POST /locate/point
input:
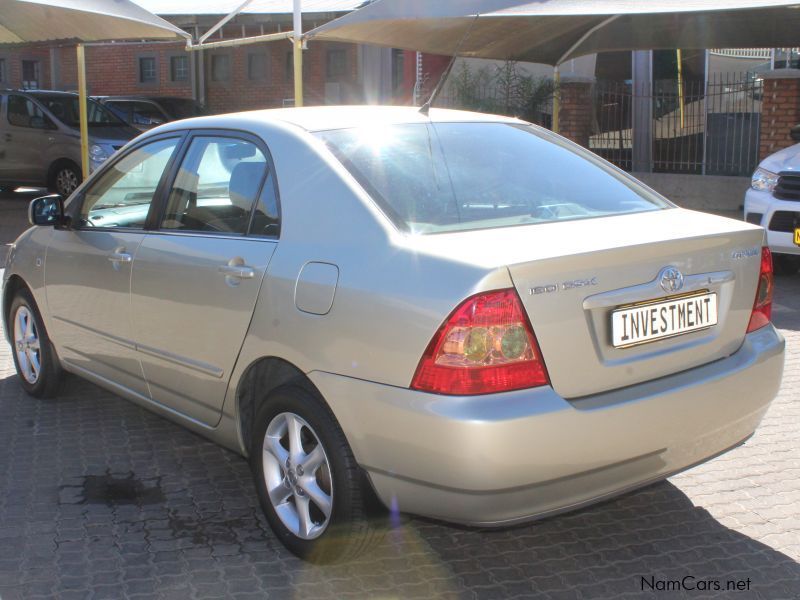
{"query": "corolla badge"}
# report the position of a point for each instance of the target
(671, 280)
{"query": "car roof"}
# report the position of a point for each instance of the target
(147, 98)
(322, 118)
(54, 93)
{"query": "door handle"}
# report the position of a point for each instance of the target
(8, 137)
(120, 257)
(238, 271)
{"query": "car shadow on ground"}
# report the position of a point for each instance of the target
(100, 497)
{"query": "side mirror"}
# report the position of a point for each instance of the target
(47, 210)
(794, 133)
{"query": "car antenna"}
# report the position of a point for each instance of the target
(425, 108)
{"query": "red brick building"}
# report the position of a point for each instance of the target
(245, 77)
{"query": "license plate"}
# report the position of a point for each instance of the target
(659, 319)
(797, 236)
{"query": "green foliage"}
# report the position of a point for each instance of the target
(502, 89)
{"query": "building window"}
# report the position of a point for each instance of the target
(220, 67)
(179, 68)
(2, 70)
(147, 70)
(31, 71)
(398, 71)
(336, 64)
(257, 66)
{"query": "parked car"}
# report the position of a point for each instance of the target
(147, 112)
(459, 315)
(772, 201)
(41, 139)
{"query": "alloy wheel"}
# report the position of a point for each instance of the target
(297, 475)
(27, 345)
(66, 181)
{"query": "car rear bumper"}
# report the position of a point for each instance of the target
(505, 458)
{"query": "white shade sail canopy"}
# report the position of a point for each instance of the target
(25, 21)
(553, 31)
(257, 7)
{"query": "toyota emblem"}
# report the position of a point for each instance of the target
(671, 280)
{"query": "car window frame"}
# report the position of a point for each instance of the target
(74, 209)
(191, 134)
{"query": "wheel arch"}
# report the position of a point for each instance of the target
(54, 166)
(13, 284)
(259, 380)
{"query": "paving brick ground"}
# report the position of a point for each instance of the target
(101, 499)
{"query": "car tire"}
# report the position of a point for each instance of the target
(65, 177)
(354, 521)
(34, 357)
(786, 265)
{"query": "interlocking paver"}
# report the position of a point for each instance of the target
(191, 527)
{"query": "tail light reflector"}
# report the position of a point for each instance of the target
(485, 346)
(762, 307)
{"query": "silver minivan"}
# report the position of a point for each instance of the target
(41, 139)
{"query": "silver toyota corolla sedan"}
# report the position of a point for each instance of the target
(454, 315)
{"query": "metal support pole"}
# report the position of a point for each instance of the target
(556, 98)
(705, 114)
(84, 126)
(298, 53)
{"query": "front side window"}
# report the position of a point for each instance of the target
(145, 113)
(216, 187)
(23, 112)
(459, 176)
(122, 195)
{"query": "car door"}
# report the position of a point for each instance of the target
(88, 267)
(27, 131)
(196, 277)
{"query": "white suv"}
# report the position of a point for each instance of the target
(773, 201)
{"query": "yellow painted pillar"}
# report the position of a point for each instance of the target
(298, 72)
(84, 125)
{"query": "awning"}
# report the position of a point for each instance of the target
(553, 31)
(24, 21)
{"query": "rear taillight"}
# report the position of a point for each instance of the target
(762, 308)
(486, 345)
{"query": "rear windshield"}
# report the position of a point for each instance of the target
(438, 177)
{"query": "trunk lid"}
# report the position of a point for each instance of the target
(571, 295)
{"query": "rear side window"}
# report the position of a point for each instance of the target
(216, 187)
(23, 112)
(439, 177)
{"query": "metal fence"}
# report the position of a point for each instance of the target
(709, 127)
